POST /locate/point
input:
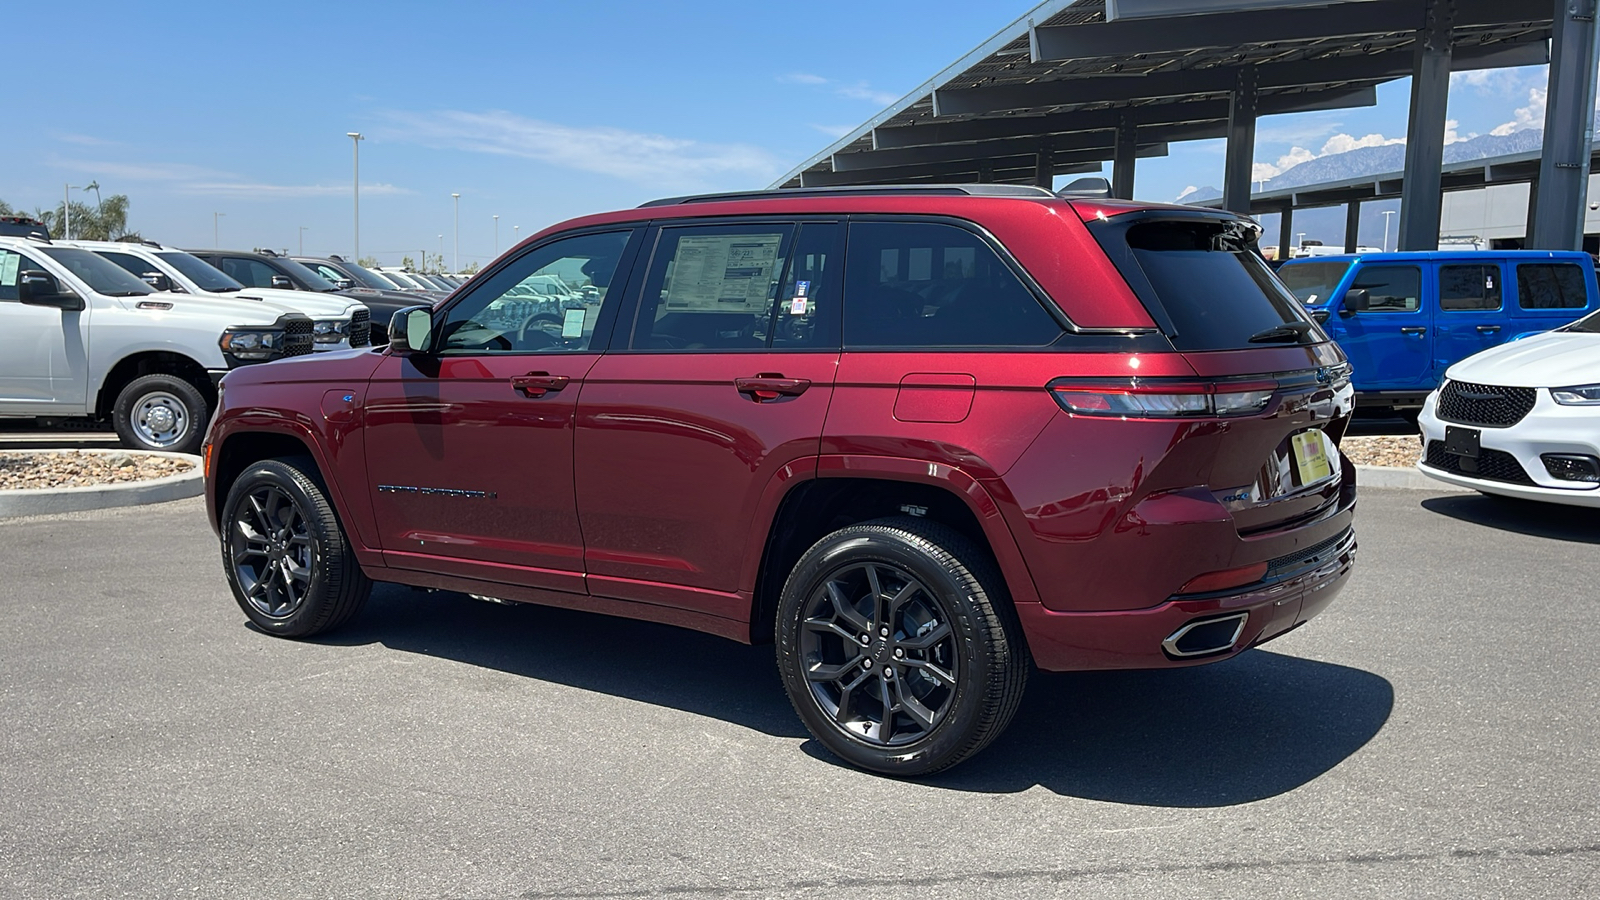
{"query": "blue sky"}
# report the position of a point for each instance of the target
(533, 111)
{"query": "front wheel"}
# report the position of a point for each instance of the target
(287, 559)
(898, 647)
(160, 412)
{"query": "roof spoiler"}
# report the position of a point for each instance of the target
(1093, 187)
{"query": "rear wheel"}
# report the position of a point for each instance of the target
(898, 647)
(288, 562)
(160, 412)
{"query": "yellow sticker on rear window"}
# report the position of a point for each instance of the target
(1310, 456)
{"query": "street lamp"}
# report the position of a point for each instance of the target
(66, 210)
(441, 251)
(355, 142)
(496, 235)
(303, 239)
(1386, 214)
(216, 244)
(1302, 236)
(455, 265)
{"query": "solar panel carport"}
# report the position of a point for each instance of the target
(1074, 83)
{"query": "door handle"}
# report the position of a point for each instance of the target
(767, 386)
(537, 384)
(1488, 329)
(1414, 329)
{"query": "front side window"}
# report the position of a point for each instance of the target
(712, 288)
(1390, 289)
(923, 284)
(326, 272)
(203, 274)
(1551, 286)
(1469, 288)
(249, 272)
(133, 264)
(505, 315)
(102, 276)
(12, 265)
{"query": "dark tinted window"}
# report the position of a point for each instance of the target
(249, 272)
(101, 276)
(133, 264)
(1312, 283)
(200, 272)
(932, 285)
(808, 304)
(1215, 287)
(712, 288)
(1469, 287)
(1390, 289)
(1551, 286)
(12, 264)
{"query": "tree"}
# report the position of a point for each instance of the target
(367, 262)
(107, 221)
(5, 209)
(470, 268)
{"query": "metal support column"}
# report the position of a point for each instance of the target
(1556, 212)
(1241, 142)
(1352, 225)
(1044, 168)
(985, 172)
(1420, 197)
(1533, 213)
(1123, 153)
(1285, 232)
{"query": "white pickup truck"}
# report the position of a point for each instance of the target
(82, 337)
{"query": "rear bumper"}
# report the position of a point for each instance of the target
(1133, 639)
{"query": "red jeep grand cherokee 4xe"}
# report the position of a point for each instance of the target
(923, 438)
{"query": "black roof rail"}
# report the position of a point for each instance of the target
(265, 252)
(335, 257)
(860, 190)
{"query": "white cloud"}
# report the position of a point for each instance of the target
(1339, 143)
(1530, 116)
(187, 179)
(802, 78)
(636, 156)
(1344, 143)
(859, 90)
(86, 140)
(834, 131)
(1453, 135)
(1186, 192)
(257, 191)
(138, 171)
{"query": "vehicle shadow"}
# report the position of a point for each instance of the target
(1546, 520)
(1230, 733)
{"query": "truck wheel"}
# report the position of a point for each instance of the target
(898, 646)
(160, 412)
(286, 557)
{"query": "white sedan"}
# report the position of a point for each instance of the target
(1521, 419)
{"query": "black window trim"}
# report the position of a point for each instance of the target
(1587, 274)
(1438, 283)
(1422, 287)
(604, 326)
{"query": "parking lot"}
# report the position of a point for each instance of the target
(1433, 734)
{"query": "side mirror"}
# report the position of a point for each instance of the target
(411, 330)
(1355, 300)
(157, 281)
(283, 282)
(36, 288)
(343, 284)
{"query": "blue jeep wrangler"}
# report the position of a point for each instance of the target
(1403, 318)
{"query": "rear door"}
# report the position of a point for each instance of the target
(1389, 344)
(1472, 315)
(720, 385)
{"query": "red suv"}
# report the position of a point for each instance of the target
(924, 438)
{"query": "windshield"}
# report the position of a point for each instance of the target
(1589, 324)
(205, 276)
(381, 281)
(101, 275)
(366, 277)
(1313, 283)
(310, 279)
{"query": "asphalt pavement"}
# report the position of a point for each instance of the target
(1432, 735)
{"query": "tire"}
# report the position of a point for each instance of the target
(161, 412)
(285, 555)
(948, 696)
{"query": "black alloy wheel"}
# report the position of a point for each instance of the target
(898, 646)
(286, 557)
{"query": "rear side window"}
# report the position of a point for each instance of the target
(1208, 278)
(1468, 288)
(1390, 289)
(1313, 283)
(247, 271)
(925, 284)
(1551, 286)
(712, 288)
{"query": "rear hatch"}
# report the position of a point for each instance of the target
(1279, 389)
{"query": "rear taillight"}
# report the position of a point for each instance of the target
(1156, 398)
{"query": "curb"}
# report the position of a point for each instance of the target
(1395, 477)
(46, 501)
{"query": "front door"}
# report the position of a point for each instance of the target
(43, 350)
(1390, 344)
(469, 447)
(721, 388)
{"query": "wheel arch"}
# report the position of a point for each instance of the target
(239, 449)
(152, 362)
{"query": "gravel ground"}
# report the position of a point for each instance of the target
(66, 469)
(1399, 450)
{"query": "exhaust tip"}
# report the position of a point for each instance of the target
(1205, 636)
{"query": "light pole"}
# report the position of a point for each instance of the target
(496, 235)
(355, 142)
(514, 234)
(455, 264)
(1302, 236)
(216, 244)
(441, 251)
(303, 239)
(1386, 214)
(66, 210)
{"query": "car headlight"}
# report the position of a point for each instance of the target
(252, 343)
(327, 331)
(1582, 395)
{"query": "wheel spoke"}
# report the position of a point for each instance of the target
(834, 628)
(877, 594)
(300, 574)
(831, 671)
(926, 641)
(911, 706)
(900, 597)
(945, 678)
(886, 728)
(844, 609)
(263, 524)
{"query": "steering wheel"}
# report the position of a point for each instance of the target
(533, 336)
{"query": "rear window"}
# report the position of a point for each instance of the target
(1551, 286)
(1212, 284)
(1313, 283)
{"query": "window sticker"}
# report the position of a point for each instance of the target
(572, 324)
(8, 269)
(723, 273)
(797, 306)
(802, 288)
